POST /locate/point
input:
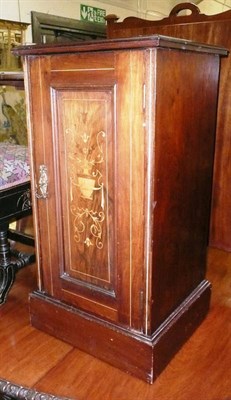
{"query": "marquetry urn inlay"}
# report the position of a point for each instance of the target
(87, 182)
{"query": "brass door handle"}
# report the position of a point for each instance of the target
(42, 187)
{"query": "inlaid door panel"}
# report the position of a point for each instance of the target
(87, 185)
(84, 138)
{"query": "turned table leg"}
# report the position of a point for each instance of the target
(7, 268)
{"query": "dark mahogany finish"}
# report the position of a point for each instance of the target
(213, 29)
(121, 132)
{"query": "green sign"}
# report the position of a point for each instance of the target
(92, 14)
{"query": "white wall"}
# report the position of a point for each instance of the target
(19, 10)
(210, 7)
(9, 10)
(64, 8)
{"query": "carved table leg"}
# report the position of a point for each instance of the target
(23, 259)
(11, 260)
(7, 268)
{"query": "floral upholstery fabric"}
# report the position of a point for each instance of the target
(14, 165)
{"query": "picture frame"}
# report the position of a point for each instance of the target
(47, 28)
(12, 34)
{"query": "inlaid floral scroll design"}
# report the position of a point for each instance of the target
(85, 174)
(80, 222)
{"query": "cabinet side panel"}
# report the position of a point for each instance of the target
(212, 29)
(185, 136)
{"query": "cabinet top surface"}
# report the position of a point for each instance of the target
(141, 42)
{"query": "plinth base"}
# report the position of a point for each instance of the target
(137, 354)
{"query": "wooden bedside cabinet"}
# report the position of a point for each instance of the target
(122, 140)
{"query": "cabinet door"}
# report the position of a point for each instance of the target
(88, 131)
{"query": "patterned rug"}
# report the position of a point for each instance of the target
(11, 391)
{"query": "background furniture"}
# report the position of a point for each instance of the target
(48, 28)
(15, 201)
(13, 126)
(213, 29)
(122, 156)
(12, 33)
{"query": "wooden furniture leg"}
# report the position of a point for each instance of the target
(7, 268)
(11, 260)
